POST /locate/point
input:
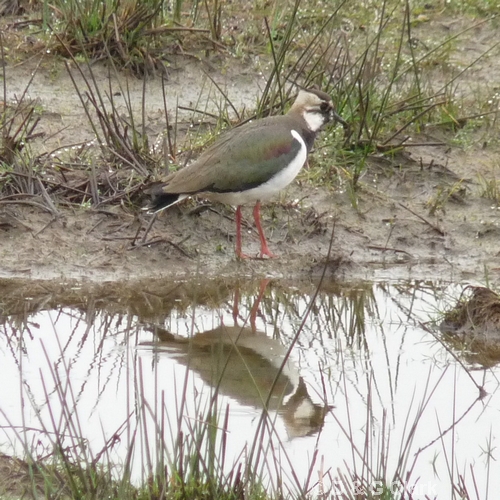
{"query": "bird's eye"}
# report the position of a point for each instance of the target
(325, 106)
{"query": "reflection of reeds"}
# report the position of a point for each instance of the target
(472, 327)
(183, 439)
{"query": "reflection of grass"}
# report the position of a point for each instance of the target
(185, 452)
(472, 327)
(183, 455)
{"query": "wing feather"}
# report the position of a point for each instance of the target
(243, 158)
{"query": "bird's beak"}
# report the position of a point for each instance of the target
(338, 118)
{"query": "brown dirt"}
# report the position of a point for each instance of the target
(394, 233)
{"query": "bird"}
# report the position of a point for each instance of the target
(246, 364)
(251, 163)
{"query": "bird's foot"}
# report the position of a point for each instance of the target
(265, 252)
(243, 256)
(263, 255)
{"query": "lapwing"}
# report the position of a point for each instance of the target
(251, 163)
(243, 364)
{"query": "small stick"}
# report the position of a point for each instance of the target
(162, 240)
(44, 227)
(150, 225)
(388, 249)
(430, 224)
(146, 243)
(26, 202)
(406, 125)
(162, 29)
(194, 110)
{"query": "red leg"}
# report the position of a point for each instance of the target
(264, 250)
(255, 307)
(238, 251)
(236, 307)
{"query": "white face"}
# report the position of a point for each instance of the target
(314, 120)
(312, 111)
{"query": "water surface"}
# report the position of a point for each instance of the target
(369, 390)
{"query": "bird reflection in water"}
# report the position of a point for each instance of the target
(245, 364)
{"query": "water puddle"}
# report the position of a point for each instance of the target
(361, 387)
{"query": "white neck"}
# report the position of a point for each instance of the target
(314, 120)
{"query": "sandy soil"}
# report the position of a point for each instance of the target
(392, 234)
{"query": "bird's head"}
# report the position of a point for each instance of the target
(316, 108)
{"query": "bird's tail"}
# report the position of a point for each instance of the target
(161, 200)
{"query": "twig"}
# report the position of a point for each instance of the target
(147, 243)
(25, 202)
(430, 224)
(21, 223)
(115, 238)
(44, 227)
(194, 110)
(215, 42)
(389, 249)
(47, 199)
(226, 98)
(171, 147)
(404, 144)
(150, 225)
(136, 235)
(481, 390)
(98, 223)
(120, 195)
(228, 217)
(163, 240)
(61, 148)
(163, 29)
(55, 184)
(406, 125)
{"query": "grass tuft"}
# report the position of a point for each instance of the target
(124, 30)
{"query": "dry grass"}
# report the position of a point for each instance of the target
(473, 326)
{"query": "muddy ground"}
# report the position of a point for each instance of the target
(421, 214)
